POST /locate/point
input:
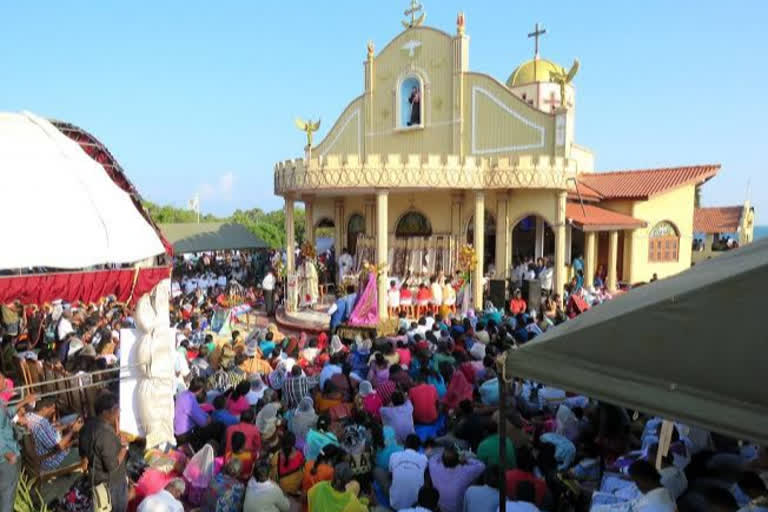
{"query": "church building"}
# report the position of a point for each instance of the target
(432, 156)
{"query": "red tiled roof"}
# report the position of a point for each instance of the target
(584, 193)
(645, 183)
(723, 219)
(593, 218)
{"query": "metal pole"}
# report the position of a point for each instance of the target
(502, 442)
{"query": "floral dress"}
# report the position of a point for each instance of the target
(225, 494)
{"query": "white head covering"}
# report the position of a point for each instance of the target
(336, 345)
(478, 351)
(365, 388)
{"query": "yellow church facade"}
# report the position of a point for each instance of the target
(432, 156)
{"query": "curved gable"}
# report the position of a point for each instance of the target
(346, 134)
(499, 123)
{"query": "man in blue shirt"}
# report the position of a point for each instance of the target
(350, 300)
(338, 312)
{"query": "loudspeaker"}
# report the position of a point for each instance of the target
(498, 293)
(534, 294)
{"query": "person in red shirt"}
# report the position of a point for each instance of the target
(517, 304)
(252, 435)
(405, 354)
(524, 473)
(425, 400)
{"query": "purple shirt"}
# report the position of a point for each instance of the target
(400, 418)
(452, 483)
(188, 413)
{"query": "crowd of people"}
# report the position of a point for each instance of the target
(286, 421)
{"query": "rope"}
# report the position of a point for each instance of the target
(133, 285)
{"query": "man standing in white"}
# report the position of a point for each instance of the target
(268, 287)
(407, 468)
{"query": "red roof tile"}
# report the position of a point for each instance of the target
(583, 192)
(723, 219)
(645, 183)
(593, 218)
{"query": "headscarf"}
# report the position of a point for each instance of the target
(477, 351)
(266, 419)
(322, 341)
(365, 388)
(459, 389)
(364, 345)
(277, 336)
(336, 345)
(304, 418)
(390, 447)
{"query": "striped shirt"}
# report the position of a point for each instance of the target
(46, 438)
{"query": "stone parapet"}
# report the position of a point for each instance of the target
(348, 172)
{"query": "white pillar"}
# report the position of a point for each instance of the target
(560, 240)
(502, 234)
(479, 243)
(613, 253)
(309, 221)
(382, 219)
(590, 258)
(290, 265)
(539, 248)
(339, 228)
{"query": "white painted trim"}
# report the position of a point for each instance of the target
(355, 113)
(511, 112)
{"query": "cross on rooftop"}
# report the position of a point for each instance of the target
(537, 32)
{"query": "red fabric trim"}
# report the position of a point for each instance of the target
(80, 286)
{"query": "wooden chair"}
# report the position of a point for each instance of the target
(33, 462)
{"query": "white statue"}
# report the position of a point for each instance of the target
(309, 286)
(155, 351)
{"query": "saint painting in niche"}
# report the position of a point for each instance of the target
(410, 94)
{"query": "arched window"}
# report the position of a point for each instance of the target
(663, 243)
(411, 104)
(413, 224)
(355, 226)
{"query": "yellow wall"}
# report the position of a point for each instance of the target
(502, 123)
(675, 206)
(345, 136)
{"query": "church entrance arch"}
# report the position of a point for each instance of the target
(355, 227)
(532, 237)
(489, 242)
(413, 224)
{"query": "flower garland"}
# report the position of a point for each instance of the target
(467, 258)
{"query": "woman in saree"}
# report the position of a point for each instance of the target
(304, 418)
(287, 466)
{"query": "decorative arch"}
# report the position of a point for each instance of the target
(355, 226)
(664, 242)
(411, 77)
(325, 222)
(413, 223)
(490, 226)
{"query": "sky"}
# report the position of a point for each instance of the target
(199, 97)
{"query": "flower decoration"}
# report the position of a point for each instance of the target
(467, 258)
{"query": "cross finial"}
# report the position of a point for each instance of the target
(415, 8)
(535, 34)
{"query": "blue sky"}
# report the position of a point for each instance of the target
(200, 96)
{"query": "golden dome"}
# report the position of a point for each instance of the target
(524, 74)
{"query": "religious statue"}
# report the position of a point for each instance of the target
(308, 127)
(563, 79)
(154, 351)
(415, 100)
(309, 287)
(371, 50)
(460, 24)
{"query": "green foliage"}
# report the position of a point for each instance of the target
(269, 226)
(28, 499)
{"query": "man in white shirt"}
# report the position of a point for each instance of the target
(655, 497)
(429, 500)
(65, 324)
(545, 278)
(345, 264)
(166, 500)
(407, 469)
(437, 292)
(268, 287)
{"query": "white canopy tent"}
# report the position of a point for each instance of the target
(61, 209)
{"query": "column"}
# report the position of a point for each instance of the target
(560, 240)
(369, 209)
(309, 220)
(502, 235)
(382, 234)
(590, 258)
(539, 248)
(457, 202)
(339, 241)
(290, 242)
(479, 243)
(613, 252)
